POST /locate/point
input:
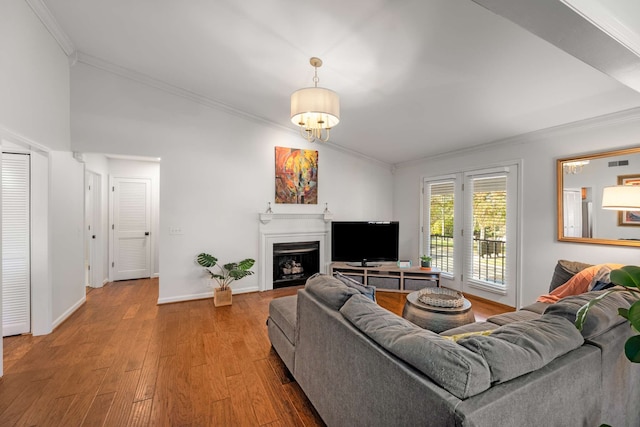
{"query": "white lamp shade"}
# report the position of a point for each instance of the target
(315, 107)
(621, 198)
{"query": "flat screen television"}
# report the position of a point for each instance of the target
(361, 242)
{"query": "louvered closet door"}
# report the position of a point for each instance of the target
(16, 275)
(131, 228)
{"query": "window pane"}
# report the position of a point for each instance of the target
(440, 220)
(489, 229)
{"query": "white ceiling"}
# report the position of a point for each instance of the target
(416, 78)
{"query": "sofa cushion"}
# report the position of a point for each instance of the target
(564, 271)
(461, 372)
(514, 316)
(283, 313)
(601, 317)
(536, 307)
(470, 327)
(522, 347)
(332, 292)
(367, 291)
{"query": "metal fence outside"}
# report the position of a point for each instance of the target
(488, 257)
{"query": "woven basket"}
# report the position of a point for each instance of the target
(441, 297)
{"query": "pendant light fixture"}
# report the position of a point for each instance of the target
(315, 109)
(621, 198)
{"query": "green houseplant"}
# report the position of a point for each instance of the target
(224, 275)
(628, 277)
(425, 261)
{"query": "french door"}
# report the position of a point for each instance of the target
(470, 229)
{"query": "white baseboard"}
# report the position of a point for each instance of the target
(69, 312)
(191, 297)
(182, 298)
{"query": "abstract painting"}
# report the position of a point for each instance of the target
(629, 217)
(296, 176)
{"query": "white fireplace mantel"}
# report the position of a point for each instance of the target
(290, 227)
(266, 218)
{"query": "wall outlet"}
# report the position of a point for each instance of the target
(175, 231)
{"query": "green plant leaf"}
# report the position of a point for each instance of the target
(627, 276)
(246, 264)
(581, 314)
(239, 274)
(633, 315)
(230, 266)
(623, 312)
(632, 349)
(206, 260)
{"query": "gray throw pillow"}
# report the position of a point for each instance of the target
(522, 347)
(367, 291)
(564, 271)
(332, 292)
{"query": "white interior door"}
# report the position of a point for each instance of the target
(16, 268)
(88, 230)
(131, 228)
(93, 233)
(572, 205)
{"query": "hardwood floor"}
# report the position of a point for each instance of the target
(122, 360)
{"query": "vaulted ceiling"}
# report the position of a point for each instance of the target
(416, 77)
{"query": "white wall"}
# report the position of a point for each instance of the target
(34, 112)
(66, 208)
(540, 249)
(34, 79)
(217, 172)
(41, 246)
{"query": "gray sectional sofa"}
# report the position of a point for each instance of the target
(361, 365)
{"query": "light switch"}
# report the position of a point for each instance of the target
(175, 231)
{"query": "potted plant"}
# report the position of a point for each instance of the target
(224, 275)
(425, 262)
(628, 277)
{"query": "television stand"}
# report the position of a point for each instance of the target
(389, 277)
(362, 264)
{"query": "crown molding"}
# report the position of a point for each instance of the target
(147, 80)
(46, 17)
(604, 121)
(596, 13)
(172, 89)
(16, 138)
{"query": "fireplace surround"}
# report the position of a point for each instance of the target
(290, 228)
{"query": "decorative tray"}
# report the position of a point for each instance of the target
(441, 297)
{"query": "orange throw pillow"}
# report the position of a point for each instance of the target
(578, 284)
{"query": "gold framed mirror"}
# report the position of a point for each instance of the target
(580, 182)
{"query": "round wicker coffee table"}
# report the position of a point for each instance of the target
(436, 319)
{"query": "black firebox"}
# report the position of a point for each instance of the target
(294, 263)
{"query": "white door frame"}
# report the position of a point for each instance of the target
(111, 232)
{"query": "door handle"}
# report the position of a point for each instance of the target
(146, 233)
(93, 237)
